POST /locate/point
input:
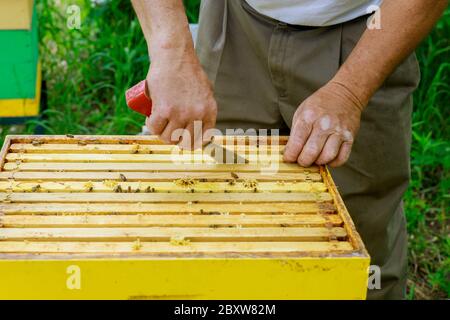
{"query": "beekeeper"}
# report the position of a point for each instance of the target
(339, 80)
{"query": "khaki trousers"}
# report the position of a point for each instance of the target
(262, 70)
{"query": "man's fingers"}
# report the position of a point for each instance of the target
(187, 142)
(172, 133)
(209, 123)
(344, 154)
(330, 150)
(299, 135)
(313, 147)
(156, 124)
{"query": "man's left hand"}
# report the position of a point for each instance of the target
(324, 127)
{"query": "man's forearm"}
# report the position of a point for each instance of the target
(404, 23)
(165, 27)
(180, 90)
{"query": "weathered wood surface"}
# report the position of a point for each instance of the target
(123, 194)
(167, 248)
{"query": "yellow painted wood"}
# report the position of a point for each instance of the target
(156, 176)
(95, 221)
(105, 158)
(23, 107)
(129, 158)
(50, 148)
(251, 140)
(138, 226)
(147, 140)
(164, 248)
(208, 234)
(221, 198)
(16, 14)
(146, 167)
(136, 187)
(200, 278)
(53, 208)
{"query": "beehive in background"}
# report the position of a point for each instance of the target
(20, 72)
(16, 14)
(138, 222)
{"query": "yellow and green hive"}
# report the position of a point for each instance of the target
(20, 72)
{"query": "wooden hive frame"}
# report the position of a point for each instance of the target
(138, 225)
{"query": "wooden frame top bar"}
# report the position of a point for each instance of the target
(121, 197)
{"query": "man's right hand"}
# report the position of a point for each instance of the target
(179, 88)
(181, 94)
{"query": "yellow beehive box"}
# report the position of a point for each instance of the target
(16, 14)
(127, 217)
(23, 108)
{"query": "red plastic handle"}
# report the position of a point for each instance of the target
(139, 99)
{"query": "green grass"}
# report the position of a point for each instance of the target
(87, 72)
(427, 200)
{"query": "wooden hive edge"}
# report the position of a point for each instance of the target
(4, 150)
(341, 209)
(150, 256)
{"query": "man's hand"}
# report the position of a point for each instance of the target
(181, 94)
(326, 124)
(324, 127)
(179, 88)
